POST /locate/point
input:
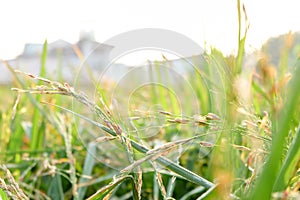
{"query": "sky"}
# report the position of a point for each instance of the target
(207, 22)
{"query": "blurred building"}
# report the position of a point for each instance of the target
(76, 63)
(64, 60)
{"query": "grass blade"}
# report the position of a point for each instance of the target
(192, 192)
(241, 39)
(37, 136)
(89, 163)
(105, 191)
(56, 190)
(263, 188)
(3, 195)
(290, 164)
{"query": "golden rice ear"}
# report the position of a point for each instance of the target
(268, 72)
(165, 112)
(289, 40)
(212, 116)
(200, 120)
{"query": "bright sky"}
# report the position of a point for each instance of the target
(213, 21)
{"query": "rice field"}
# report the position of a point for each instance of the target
(221, 131)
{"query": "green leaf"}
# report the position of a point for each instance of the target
(289, 167)
(197, 190)
(265, 183)
(16, 139)
(37, 137)
(3, 195)
(55, 190)
(258, 89)
(241, 40)
(89, 163)
(105, 191)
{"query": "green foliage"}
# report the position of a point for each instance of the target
(281, 126)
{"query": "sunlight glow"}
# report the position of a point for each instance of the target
(209, 23)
